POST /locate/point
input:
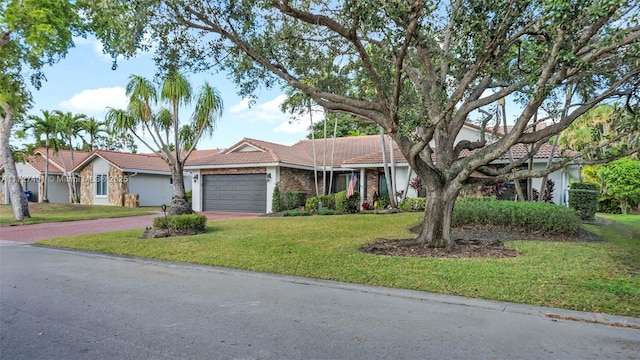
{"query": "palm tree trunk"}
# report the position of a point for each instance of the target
(385, 164)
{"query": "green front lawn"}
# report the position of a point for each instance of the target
(599, 277)
(47, 212)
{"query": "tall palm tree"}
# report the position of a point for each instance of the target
(44, 125)
(94, 128)
(69, 126)
(164, 125)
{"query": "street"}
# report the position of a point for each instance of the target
(58, 304)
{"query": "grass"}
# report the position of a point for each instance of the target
(48, 212)
(599, 277)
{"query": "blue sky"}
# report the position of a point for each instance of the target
(83, 82)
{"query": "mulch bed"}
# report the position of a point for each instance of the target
(471, 242)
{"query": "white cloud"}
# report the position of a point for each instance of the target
(94, 102)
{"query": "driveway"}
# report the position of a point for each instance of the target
(59, 304)
(32, 233)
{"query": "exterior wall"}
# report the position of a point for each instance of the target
(116, 188)
(86, 185)
(58, 189)
(196, 190)
(372, 184)
(561, 179)
(30, 179)
(153, 190)
(296, 180)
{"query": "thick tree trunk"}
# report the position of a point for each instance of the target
(16, 194)
(436, 227)
(179, 203)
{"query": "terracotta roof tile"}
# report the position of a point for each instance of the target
(127, 161)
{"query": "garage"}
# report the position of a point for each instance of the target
(235, 193)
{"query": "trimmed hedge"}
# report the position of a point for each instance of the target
(412, 204)
(313, 204)
(294, 199)
(522, 215)
(184, 222)
(347, 205)
(584, 197)
(296, 212)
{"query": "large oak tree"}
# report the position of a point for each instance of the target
(420, 69)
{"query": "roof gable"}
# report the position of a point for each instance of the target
(128, 161)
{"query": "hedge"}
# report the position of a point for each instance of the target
(584, 197)
(294, 200)
(184, 222)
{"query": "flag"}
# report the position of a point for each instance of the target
(352, 185)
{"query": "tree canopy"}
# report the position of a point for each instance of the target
(419, 69)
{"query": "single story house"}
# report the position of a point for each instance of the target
(31, 174)
(124, 179)
(242, 178)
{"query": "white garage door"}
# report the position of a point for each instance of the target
(235, 193)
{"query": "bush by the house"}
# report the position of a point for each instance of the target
(520, 215)
(294, 199)
(583, 197)
(182, 223)
(189, 194)
(347, 205)
(296, 212)
(380, 203)
(314, 204)
(412, 204)
(276, 201)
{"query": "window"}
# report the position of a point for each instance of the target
(101, 185)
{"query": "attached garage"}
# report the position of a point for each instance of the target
(235, 193)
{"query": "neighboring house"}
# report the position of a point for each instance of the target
(243, 177)
(31, 174)
(124, 179)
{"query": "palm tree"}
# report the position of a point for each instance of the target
(44, 125)
(94, 128)
(164, 125)
(69, 126)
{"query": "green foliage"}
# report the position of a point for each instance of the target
(312, 204)
(348, 125)
(583, 197)
(326, 211)
(183, 222)
(529, 216)
(189, 194)
(622, 179)
(328, 201)
(296, 212)
(412, 204)
(381, 203)
(276, 201)
(347, 205)
(294, 199)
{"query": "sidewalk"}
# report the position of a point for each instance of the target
(31, 233)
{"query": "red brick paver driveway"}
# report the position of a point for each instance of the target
(31, 233)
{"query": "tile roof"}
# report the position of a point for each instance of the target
(63, 156)
(39, 163)
(127, 161)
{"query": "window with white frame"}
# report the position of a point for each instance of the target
(101, 185)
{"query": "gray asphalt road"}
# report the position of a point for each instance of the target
(57, 304)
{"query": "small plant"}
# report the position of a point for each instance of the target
(189, 194)
(276, 202)
(312, 204)
(296, 212)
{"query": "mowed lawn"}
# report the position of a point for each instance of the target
(49, 212)
(599, 277)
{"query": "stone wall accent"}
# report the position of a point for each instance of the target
(372, 184)
(86, 185)
(132, 200)
(117, 188)
(235, 171)
(297, 180)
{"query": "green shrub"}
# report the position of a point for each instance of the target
(522, 215)
(182, 223)
(583, 197)
(609, 205)
(276, 201)
(347, 205)
(294, 199)
(381, 203)
(328, 201)
(412, 204)
(312, 204)
(326, 211)
(189, 194)
(585, 186)
(296, 212)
